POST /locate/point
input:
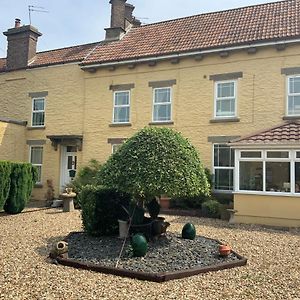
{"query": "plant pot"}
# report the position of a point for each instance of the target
(224, 250)
(123, 229)
(164, 202)
(159, 226)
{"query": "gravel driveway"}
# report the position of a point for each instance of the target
(273, 270)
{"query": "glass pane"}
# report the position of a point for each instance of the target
(121, 98)
(70, 162)
(294, 85)
(116, 147)
(251, 154)
(294, 105)
(251, 176)
(223, 156)
(162, 112)
(121, 114)
(225, 89)
(162, 95)
(224, 179)
(36, 155)
(38, 119)
(39, 171)
(297, 177)
(278, 177)
(298, 155)
(277, 154)
(71, 149)
(225, 107)
(38, 104)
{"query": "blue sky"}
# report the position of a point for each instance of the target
(74, 22)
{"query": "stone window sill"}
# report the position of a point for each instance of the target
(38, 186)
(119, 124)
(162, 123)
(291, 118)
(36, 128)
(225, 120)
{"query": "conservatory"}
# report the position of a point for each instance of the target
(267, 176)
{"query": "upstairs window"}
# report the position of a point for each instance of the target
(38, 112)
(223, 167)
(162, 104)
(293, 105)
(36, 159)
(225, 99)
(121, 111)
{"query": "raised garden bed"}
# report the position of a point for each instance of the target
(170, 257)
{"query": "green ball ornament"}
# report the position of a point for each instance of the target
(189, 231)
(139, 245)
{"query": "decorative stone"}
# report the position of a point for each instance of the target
(139, 245)
(189, 231)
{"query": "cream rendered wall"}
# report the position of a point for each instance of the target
(64, 110)
(267, 210)
(12, 142)
(260, 96)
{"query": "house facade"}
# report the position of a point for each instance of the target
(218, 78)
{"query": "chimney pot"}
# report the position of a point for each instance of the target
(17, 23)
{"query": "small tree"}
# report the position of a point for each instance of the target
(153, 162)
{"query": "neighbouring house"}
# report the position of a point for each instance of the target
(219, 78)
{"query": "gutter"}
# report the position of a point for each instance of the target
(179, 55)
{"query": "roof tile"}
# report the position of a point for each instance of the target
(288, 133)
(278, 20)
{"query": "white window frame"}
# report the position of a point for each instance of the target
(113, 146)
(289, 94)
(162, 103)
(37, 165)
(224, 168)
(225, 98)
(38, 111)
(123, 105)
(292, 160)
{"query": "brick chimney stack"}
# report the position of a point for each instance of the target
(117, 13)
(121, 20)
(21, 48)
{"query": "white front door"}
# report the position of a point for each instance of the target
(68, 165)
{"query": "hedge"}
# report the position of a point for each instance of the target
(5, 171)
(101, 209)
(19, 181)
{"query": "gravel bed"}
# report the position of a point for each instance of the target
(168, 253)
(272, 271)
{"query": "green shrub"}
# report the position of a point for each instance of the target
(153, 162)
(5, 171)
(101, 209)
(188, 202)
(22, 179)
(211, 209)
(85, 176)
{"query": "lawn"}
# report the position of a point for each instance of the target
(272, 272)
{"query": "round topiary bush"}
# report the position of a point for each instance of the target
(153, 162)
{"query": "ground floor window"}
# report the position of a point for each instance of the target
(115, 148)
(268, 171)
(223, 167)
(36, 158)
